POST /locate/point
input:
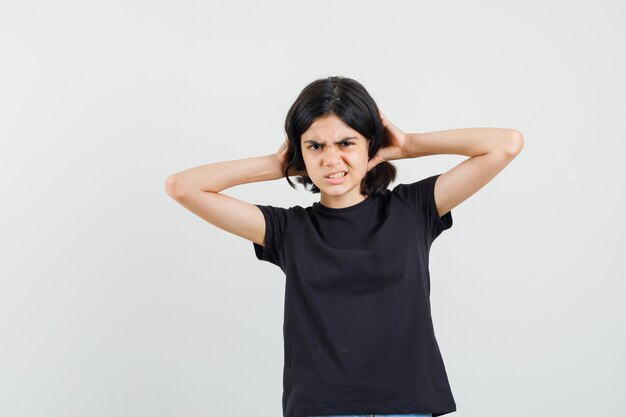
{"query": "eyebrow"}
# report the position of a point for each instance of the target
(339, 141)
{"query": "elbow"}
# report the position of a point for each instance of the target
(172, 186)
(514, 143)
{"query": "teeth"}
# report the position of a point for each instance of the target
(339, 175)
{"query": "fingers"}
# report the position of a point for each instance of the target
(373, 162)
(382, 116)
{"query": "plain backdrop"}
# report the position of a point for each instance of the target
(116, 301)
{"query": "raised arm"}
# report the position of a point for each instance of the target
(198, 190)
(490, 151)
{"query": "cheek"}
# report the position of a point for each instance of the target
(308, 163)
(363, 158)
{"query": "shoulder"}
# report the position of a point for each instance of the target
(277, 214)
(413, 193)
(422, 184)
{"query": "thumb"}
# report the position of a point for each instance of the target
(373, 162)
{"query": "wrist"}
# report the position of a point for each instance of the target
(409, 145)
(278, 166)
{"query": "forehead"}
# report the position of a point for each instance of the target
(329, 127)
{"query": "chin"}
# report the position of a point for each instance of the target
(337, 191)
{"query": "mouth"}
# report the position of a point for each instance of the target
(338, 178)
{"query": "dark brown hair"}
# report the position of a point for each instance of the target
(350, 101)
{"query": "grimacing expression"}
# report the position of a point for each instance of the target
(329, 146)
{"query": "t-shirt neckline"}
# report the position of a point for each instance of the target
(364, 203)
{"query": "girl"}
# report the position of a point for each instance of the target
(358, 331)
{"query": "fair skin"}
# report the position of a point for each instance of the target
(490, 150)
(328, 146)
(199, 189)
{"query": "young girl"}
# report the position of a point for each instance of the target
(358, 331)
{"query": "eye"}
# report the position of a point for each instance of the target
(314, 145)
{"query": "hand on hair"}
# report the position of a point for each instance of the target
(397, 140)
(283, 154)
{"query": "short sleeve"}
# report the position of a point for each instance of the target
(420, 198)
(275, 226)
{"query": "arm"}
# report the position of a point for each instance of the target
(469, 141)
(198, 190)
(490, 151)
(219, 176)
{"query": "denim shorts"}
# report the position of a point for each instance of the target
(381, 415)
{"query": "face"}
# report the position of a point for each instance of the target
(329, 146)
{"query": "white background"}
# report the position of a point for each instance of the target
(115, 301)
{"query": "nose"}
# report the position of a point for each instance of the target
(331, 156)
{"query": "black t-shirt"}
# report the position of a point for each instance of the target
(358, 333)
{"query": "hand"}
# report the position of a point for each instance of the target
(398, 140)
(282, 154)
